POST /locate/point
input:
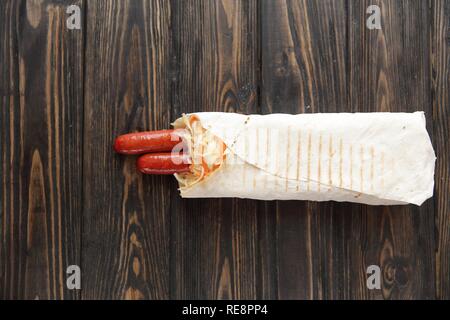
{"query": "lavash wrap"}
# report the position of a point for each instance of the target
(371, 158)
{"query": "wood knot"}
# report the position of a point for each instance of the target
(281, 66)
(136, 266)
(224, 289)
(33, 8)
(245, 93)
(396, 272)
(135, 241)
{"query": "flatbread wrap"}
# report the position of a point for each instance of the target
(371, 158)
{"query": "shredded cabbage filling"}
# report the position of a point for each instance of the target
(207, 151)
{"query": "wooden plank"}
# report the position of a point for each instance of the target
(440, 48)
(220, 248)
(126, 215)
(41, 112)
(9, 110)
(304, 69)
(389, 71)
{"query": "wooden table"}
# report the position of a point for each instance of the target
(67, 199)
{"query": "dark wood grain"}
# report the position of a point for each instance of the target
(390, 71)
(440, 54)
(66, 198)
(304, 69)
(126, 215)
(41, 112)
(220, 248)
